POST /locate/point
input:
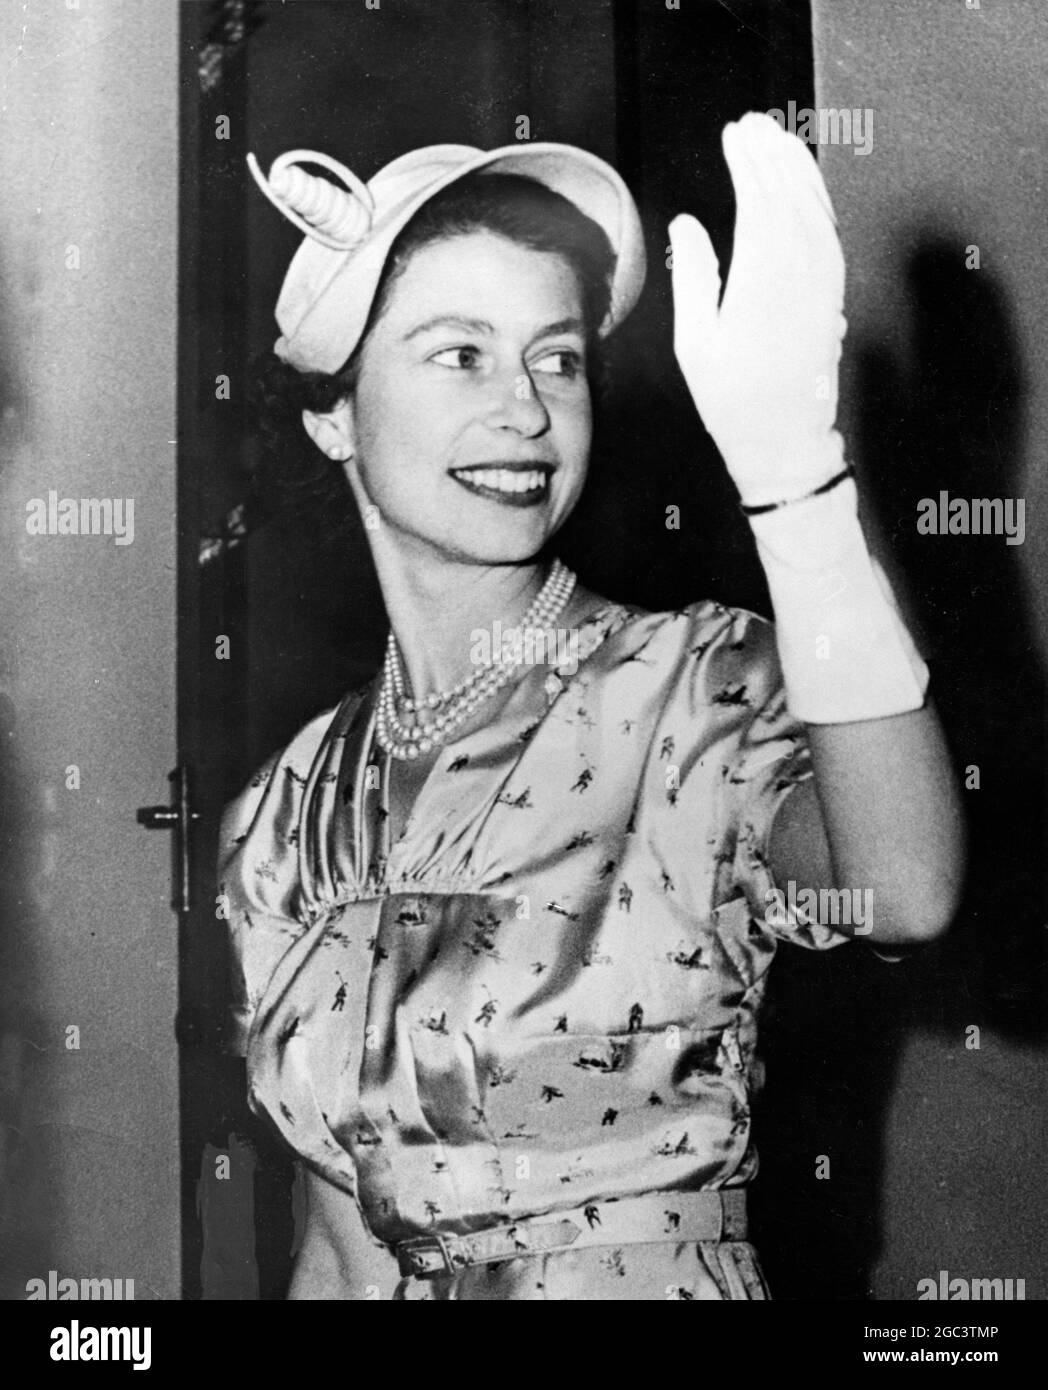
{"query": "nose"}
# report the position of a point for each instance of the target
(516, 405)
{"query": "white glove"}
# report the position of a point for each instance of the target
(762, 369)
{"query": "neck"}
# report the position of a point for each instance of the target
(434, 608)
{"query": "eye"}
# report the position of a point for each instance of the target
(563, 362)
(457, 358)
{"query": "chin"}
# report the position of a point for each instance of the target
(520, 553)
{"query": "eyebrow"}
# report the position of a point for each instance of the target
(450, 321)
(569, 325)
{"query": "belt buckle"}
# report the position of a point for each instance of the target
(411, 1256)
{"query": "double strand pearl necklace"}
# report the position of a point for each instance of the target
(453, 707)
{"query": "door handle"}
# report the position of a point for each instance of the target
(179, 817)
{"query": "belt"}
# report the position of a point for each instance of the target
(658, 1216)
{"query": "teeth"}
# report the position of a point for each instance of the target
(502, 480)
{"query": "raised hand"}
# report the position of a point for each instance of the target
(761, 365)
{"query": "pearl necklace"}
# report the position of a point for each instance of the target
(454, 706)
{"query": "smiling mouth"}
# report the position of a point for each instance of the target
(514, 486)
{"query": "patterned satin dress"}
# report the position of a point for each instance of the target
(545, 994)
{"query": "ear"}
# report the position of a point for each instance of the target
(332, 432)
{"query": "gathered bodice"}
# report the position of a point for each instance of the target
(545, 991)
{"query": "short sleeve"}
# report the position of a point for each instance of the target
(259, 879)
(724, 755)
(770, 757)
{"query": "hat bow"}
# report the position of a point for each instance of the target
(339, 218)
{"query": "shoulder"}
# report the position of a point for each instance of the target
(278, 786)
(705, 620)
(706, 647)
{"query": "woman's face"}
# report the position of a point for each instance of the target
(470, 425)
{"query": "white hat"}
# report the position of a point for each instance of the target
(329, 286)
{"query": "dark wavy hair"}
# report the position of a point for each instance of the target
(291, 472)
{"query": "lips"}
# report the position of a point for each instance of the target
(517, 484)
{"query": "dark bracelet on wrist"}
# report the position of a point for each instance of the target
(789, 501)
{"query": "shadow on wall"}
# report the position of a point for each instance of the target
(835, 1026)
(955, 424)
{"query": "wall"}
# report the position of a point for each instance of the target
(88, 164)
(947, 387)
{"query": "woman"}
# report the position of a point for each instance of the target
(502, 930)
